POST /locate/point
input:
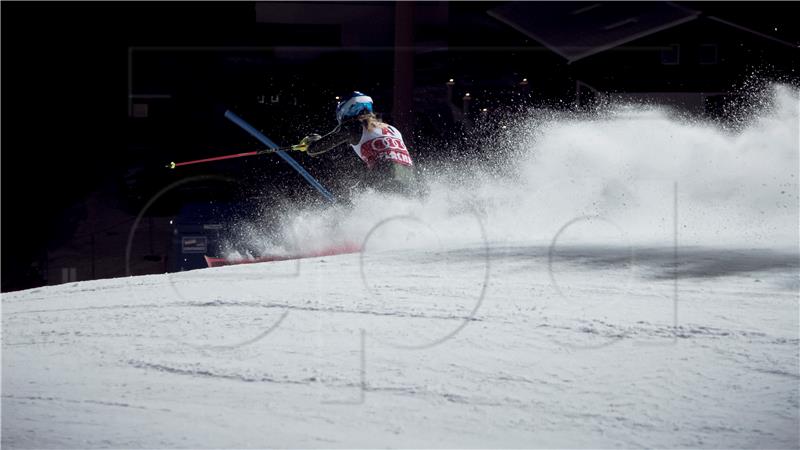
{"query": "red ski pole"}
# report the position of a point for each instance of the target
(173, 165)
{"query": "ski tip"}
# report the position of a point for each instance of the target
(216, 262)
(209, 262)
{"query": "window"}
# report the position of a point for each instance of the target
(69, 274)
(671, 55)
(140, 110)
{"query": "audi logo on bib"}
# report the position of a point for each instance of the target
(389, 148)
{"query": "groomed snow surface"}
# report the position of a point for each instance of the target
(573, 347)
(543, 307)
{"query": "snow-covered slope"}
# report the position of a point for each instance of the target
(463, 347)
(542, 302)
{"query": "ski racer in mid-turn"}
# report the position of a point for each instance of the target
(379, 145)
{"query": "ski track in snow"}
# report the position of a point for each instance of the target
(154, 361)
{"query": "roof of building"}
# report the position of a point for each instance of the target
(576, 30)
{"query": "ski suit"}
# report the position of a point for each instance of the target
(389, 165)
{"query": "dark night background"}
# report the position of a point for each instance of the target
(97, 97)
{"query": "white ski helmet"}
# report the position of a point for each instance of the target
(353, 105)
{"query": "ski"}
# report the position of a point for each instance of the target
(330, 251)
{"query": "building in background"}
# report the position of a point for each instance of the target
(434, 68)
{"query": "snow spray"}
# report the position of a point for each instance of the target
(624, 175)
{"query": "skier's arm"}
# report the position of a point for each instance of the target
(328, 142)
(347, 132)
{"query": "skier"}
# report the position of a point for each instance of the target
(379, 145)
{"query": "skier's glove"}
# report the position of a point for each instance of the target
(303, 145)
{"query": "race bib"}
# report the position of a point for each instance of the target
(385, 148)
